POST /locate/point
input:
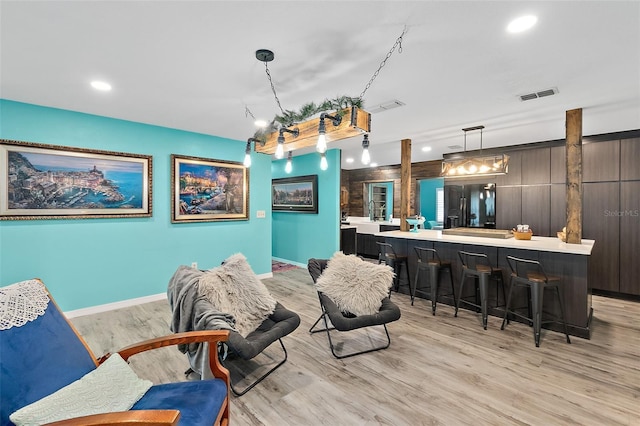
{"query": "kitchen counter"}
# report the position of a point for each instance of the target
(536, 243)
(569, 262)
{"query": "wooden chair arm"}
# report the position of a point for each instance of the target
(135, 417)
(211, 336)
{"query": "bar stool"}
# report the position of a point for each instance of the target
(429, 261)
(531, 274)
(388, 256)
(478, 266)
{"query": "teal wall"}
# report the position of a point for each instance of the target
(297, 237)
(89, 262)
(428, 197)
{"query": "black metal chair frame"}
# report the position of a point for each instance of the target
(328, 329)
(240, 392)
(388, 256)
(429, 260)
(470, 262)
(345, 322)
(521, 277)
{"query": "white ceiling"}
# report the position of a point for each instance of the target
(191, 65)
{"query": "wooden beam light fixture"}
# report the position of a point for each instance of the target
(359, 122)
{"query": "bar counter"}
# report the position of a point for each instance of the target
(570, 262)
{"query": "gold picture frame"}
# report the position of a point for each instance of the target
(41, 181)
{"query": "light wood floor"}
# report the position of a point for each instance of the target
(438, 369)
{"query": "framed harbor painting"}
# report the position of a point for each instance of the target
(295, 194)
(39, 181)
(207, 190)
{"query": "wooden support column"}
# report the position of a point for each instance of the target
(405, 183)
(574, 175)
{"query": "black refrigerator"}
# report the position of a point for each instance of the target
(470, 205)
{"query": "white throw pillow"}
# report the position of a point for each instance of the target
(355, 286)
(233, 288)
(113, 386)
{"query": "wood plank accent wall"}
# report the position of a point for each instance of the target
(355, 180)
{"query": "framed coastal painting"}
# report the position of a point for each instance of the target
(295, 194)
(207, 190)
(39, 181)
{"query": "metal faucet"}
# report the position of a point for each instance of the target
(372, 206)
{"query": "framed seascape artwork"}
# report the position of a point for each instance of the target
(206, 190)
(295, 194)
(39, 181)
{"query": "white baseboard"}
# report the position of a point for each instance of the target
(290, 262)
(129, 302)
(115, 305)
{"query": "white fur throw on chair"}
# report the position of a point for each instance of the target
(356, 286)
(235, 289)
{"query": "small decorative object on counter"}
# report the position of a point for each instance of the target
(415, 222)
(522, 232)
(562, 235)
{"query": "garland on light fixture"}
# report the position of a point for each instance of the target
(289, 118)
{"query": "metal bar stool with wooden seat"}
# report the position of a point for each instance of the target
(531, 274)
(388, 256)
(478, 266)
(429, 262)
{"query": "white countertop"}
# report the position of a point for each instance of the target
(536, 243)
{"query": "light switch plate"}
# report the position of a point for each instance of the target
(260, 214)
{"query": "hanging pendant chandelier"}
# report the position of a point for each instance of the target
(477, 165)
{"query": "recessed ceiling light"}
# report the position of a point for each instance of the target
(101, 85)
(426, 148)
(522, 23)
(373, 165)
(260, 123)
(349, 160)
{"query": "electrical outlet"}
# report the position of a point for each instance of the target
(260, 214)
(194, 265)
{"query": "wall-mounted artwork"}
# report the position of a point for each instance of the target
(58, 182)
(295, 194)
(206, 190)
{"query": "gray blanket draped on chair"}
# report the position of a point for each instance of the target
(192, 312)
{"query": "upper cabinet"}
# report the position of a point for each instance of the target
(629, 159)
(536, 166)
(601, 161)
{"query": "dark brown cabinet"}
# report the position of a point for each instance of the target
(600, 202)
(629, 237)
(508, 206)
(630, 159)
(558, 215)
(536, 166)
(348, 240)
(536, 205)
(366, 245)
(601, 161)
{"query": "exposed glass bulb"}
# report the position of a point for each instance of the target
(280, 150)
(365, 156)
(321, 147)
(324, 165)
(288, 167)
(247, 160)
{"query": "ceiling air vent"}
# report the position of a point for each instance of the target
(386, 106)
(540, 94)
